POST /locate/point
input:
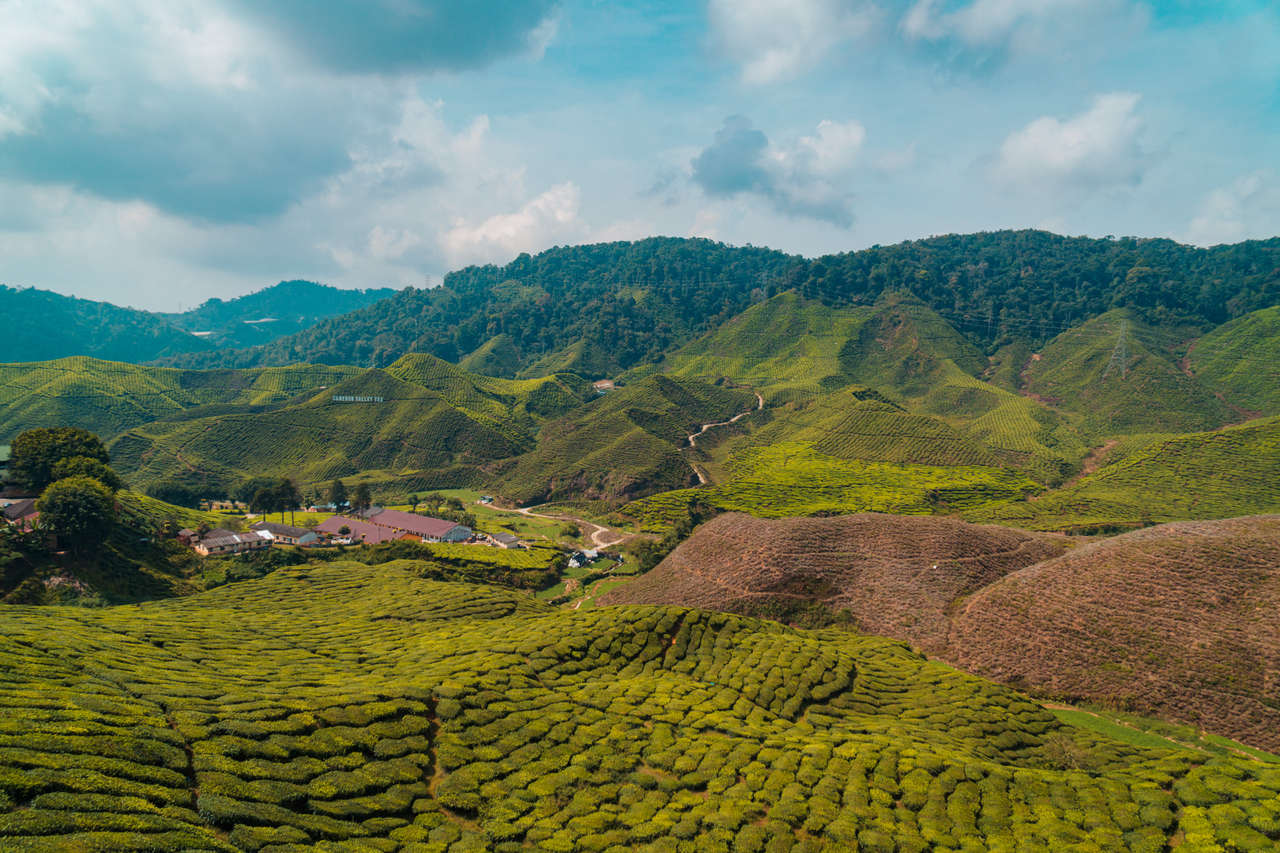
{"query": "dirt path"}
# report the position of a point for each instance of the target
(693, 438)
(1113, 721)
(598, 534)
(1092, 463)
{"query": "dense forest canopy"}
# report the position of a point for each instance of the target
(622, 304)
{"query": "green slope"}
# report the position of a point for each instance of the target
(495, 357)
(1117, 375)
(1233, 471)
(1241, 361)
(419, 417)
(108, 397)
(41, 325)
(624, 445)
(350, 707)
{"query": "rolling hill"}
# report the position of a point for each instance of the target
(1172, 620)
(1177, 620)
(42, 325)
(418, 418)
(1238, 359)
(881, 574)
(273, 312)
(356, 707)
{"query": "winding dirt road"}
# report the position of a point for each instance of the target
(703, 479)
(598, 533)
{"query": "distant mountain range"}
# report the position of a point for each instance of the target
(42, 325)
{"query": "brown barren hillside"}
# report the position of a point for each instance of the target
(894, 575)
(1180, 620)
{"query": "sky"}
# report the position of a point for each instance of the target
(156, 153)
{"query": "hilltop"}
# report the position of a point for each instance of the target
(1172, 620)
(363, 706)
(881, 574)
(273, 312)
(1176, 619)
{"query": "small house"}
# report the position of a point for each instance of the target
(505, 540)
(284, 534)
(221, 542)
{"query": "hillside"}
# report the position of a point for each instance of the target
(1117, 375)
(364, 707)
(881, 574)
(593, 309)
(42, 325)
(624, 445)
(1177, 620)
(1154, 478)
(600, 309)
(1239, 359)
(107, 397)
(273, 312)
(418, 418)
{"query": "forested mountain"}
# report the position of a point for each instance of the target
(40, 325)
(602, 308)
(591, 309)
(273, 312)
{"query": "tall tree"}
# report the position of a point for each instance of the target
(36, 451)
(287, 498)
(338, 495)
(87, 466)
(363, 498)
(80, 510)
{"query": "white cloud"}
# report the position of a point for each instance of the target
(1098, 147)
(777, 39)
(1248, 207)
(1023, 25)
(545, 219)
(834, 147)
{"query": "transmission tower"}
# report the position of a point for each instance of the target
(1119, 355)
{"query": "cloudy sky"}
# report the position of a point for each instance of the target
(158, 152)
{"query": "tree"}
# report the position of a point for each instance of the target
(413, 503)
(36, 451)
(87, 466)
(287, 497)
(363, 498)
(248, 489)
(80, 510)
(338, 494)
(264, 501)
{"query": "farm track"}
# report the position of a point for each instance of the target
(701, 472)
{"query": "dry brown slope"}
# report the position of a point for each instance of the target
(1179, 620)
(895, 575)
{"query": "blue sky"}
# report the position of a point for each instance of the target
(159, 153)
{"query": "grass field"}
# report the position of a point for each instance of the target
(1239, 359)
(359, 707)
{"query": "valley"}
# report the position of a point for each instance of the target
(886, 550)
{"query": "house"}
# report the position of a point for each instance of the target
(218, 542)
(187, 536)
(223, 506)
(422, 527)
(358, 530)
(505, 540)
(19, 511)
(284, 534)
(603, 385)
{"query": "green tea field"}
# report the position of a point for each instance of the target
(349, 707)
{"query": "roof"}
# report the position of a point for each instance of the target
(506, 538)
(186, 531)
(280, 529)
(422, 525)
(219, 537)
(19, 509)
(362, 530)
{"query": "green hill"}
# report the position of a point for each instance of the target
(41, 325)
(1229, 472)
(495, 357)
(419, 417)
(1117, 375)
(356, 707)
(273, 312)
(624, 445)
(108, 397)
(1241, 361)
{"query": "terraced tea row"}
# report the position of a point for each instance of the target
(364, 708)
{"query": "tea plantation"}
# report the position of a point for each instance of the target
(355, 707)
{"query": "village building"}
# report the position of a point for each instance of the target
(284, 534)
(20, 512)
(382, 525)
(218, 542)
(505, 540)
